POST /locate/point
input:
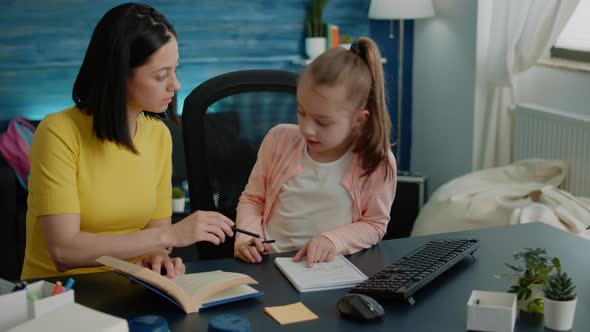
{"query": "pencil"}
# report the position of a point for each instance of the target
(265, 241)
(235, 229)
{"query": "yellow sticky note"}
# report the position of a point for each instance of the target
(291, 313)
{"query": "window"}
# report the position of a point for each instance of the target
(574, 41)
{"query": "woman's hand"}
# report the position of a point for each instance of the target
(318, 249)
(160, 259)
(251, 251)
(201, 226)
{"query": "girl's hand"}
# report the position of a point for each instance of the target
(251, 251)
(201, 226)
(160, 259)
(318, 249)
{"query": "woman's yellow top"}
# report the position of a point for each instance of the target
(112, 189)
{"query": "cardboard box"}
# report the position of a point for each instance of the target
(491, 311)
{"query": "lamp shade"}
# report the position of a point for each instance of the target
(400, 9)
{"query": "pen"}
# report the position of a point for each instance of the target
(56, 288)
(265, 241)
(69, 284)
(20, 286)
(235, 229)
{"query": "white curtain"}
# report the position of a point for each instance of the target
(512, 35)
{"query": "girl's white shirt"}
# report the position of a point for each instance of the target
(310, 203)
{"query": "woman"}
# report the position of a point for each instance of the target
(100, 181)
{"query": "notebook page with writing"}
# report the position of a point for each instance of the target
(339, 273)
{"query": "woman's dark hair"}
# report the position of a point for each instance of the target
(124, 39)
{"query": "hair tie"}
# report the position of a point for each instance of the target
(356, 49)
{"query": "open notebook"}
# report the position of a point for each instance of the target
(339, 273)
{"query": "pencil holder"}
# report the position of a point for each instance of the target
(40, 301)
(491, 311)
(13, 309)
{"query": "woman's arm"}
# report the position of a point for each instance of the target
(70, 248)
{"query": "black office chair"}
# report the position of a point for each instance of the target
(13, 204)
(224, 121)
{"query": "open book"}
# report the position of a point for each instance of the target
(193, 291)
(339, 273)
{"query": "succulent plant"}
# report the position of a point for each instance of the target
(559, 287)
(177, 192)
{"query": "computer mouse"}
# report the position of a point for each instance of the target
(360, 307)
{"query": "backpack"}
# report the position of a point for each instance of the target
(15, 144)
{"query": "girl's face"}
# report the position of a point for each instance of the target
(152, 85)
(327, 119)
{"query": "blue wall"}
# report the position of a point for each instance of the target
(43, 42)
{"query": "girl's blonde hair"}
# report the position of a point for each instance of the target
(361, 71)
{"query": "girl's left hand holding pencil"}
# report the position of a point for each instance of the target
(252, 250)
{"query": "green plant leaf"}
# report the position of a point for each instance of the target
(314, 25)
(177, 192)
(536, 305)
(515, 268)
(557, 264)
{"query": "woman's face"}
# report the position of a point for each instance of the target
(152, 85)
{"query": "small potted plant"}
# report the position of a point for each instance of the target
(531, 277)
(315, 29)
(178, 200)
(560, 301)
(346, 41)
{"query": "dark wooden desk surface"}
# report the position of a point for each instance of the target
(441, 306)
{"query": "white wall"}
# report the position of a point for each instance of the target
(443, 91)
(557, 88)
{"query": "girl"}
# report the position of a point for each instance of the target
(100, 180)
(326, 186)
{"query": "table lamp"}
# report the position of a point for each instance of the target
(400, 10)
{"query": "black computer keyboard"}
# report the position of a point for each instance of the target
(401, 279)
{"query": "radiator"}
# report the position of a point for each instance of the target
(541, 132)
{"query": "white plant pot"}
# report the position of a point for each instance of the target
(559, 315)
(536, 292)
(314, 46)
(178, 205)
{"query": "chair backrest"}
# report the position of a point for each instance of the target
(224, 121)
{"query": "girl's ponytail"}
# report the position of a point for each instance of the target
(373, 143)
